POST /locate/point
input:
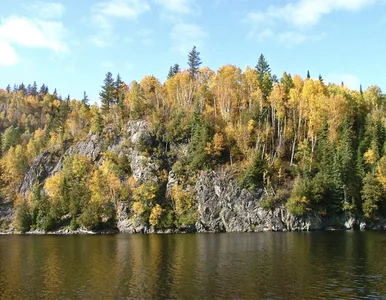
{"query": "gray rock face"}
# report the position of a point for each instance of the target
(41, 168)
(223, 206)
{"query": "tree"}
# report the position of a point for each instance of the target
(118, 89)
(107, 93)
(308, 75)
(34, 89)
(175, 69)
(194, 62)
(262, 67)
(264, 76)
(85, 99)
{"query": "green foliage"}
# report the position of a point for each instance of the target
(298, 204)
(22, 217)
(372, 194)
(91, 217)
(252, 178)
(10, 138)
(107, 93)
(194, 62)
(267, 132)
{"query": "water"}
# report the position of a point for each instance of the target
(293, 265)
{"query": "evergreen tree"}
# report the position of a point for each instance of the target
(8, 89)
(22, 88)
(107, 93)
(174, 70)
(264, 77)
(118, 88)
(194, 62)
(85, 99)
(34, 90)
(262, 67)
(287, 82)
(308, 75)
(320, 78)
(43, 90)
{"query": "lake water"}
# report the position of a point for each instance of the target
(292, 265)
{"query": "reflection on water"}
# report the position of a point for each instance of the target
(201, 266)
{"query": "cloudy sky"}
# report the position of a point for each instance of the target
(72, 44)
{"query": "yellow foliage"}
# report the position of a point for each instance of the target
(251, 125)
(183, 200)
(145, 192)
(155, 215)
(381, 171)
(80, 167)
(53, 186)
(370, 157)
(138, 208)
(97, 186)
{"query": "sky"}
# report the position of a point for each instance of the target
(70, 45)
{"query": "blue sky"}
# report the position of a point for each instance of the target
(72, 44)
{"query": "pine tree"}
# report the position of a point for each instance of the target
(85, 99)
(107, 93)
(264, 77)
(262, 67)
(194, 62)
(8, 89)
(174, 70)
(118, 88)
(43, 90)
(308, 75)
(22, 88)
(34, 90)
(320, 78)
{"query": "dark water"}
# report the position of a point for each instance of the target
(342, 265)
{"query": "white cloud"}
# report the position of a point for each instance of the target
(350, 80)
(33, 33)
(184, 36)
(8, 56)
(294, 38)
(178, 6)
(104, 12)
(301, 15)
(46, 10)
(103, 15)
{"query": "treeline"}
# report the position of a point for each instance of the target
(308, 145)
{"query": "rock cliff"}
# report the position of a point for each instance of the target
(222, 205)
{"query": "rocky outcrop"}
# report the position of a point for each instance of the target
(223, 206)
(41, 168)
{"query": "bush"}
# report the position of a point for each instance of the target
(91, 218)
(22, 217)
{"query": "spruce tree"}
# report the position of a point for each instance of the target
(85, 99)
(118, 88)
(174, 70)
(194, 62)
(264, 77)
(107, 93)
(34, 90)
(262, 67)
(308, 75)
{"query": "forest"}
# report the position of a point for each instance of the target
(310, 146)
